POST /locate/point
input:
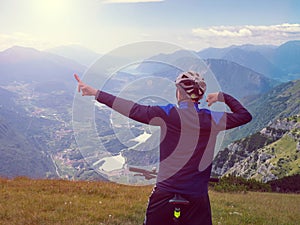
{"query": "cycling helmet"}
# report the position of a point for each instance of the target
(192, 83)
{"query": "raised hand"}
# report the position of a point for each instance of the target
(85, 89)
(212, 98)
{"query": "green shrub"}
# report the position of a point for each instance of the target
(232, 183)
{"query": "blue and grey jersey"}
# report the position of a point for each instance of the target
(187, 138)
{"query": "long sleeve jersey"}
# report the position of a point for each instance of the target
(187, 138)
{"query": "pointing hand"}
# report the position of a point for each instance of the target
(85, 89)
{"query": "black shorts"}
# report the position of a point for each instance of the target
(160, 211)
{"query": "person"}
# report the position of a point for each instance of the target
(187, 141)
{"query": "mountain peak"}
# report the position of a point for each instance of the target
(21, 49)
(19, 53)
(291, 43)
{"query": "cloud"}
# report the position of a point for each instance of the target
(247, 34)
(129, 1)
(228, 31)
(248, 30)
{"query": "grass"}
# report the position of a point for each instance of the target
(255, 208)
(26, 201)
(287, 158)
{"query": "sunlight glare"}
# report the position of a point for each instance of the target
(50, 9)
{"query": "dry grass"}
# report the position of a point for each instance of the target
(25, 201)
(255, 208)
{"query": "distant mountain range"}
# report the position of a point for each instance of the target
(37, 89)
(276, 62)
(28, 65)
(238, 80)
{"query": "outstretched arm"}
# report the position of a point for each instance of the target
(141, 113)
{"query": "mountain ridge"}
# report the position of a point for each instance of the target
(23, 64)
(38, 100)
(270, 154)
(277, 62)
(279, 102)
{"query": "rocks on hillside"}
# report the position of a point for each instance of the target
(268, 161)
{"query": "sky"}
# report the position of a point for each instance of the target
(103, 25)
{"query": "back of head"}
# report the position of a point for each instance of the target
(192, 84)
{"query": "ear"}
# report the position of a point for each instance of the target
(177, 94)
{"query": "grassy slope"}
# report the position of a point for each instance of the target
(24, 201)
(287, 160)
(282, 101)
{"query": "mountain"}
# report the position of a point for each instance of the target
(22, 64)
(276, 62)
(36, 136)
(21, 155)
(287, 57)
(270, 154)
(275, 123)
(214, 53)
(36, 111)
(231, 77)
(238, 80)
(255, 61)
(36, 124)
(218, 53)
(279, 102)
(116, 134)
(80, 54)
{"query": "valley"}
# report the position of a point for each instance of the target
(37, 119)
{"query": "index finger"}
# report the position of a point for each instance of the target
(77, 78)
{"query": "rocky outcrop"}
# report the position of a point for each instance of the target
(267, 155)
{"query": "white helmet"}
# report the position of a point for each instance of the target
(192, 83)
